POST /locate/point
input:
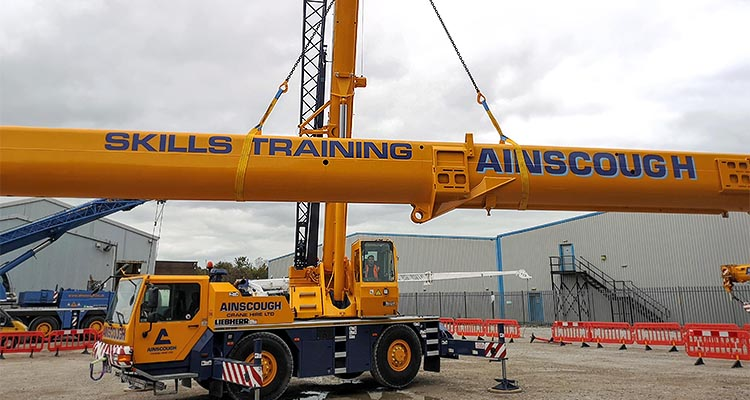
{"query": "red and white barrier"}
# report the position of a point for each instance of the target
(241, 373)
(511, 327)
(611, 332)
(72, 339)
(21, 342)
(117, 355)
(659, 334)
(495, 351)
(473, 327)
(715, 327)
(450, 324)
(729, 344)
(563, 331)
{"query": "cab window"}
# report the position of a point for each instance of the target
(377, 262)
(171, 302)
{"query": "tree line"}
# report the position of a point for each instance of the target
(243, 268)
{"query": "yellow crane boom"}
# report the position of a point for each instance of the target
(433, 177)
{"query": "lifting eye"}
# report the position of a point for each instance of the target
(418, 216)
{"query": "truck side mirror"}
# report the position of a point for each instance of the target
(152, 317)
(151, 300)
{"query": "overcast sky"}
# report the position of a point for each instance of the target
(635, 74)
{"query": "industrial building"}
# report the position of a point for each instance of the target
(93, 251)
(626, 267)
(600, 266)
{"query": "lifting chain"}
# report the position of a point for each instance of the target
(483, 102)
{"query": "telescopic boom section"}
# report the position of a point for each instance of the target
(343, 83)
(433, 177)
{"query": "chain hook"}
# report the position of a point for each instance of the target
(480, 98)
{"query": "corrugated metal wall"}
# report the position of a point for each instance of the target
(74, 257)
(418, 253)
(652, 250)
(675, 258)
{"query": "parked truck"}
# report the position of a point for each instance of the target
(50, 310)
(337, 320)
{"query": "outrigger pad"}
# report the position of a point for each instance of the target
(505, 386)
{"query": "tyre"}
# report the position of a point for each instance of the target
(7, 344)
(277, 366)
(44, 324)
(95, 322)
(397, 357)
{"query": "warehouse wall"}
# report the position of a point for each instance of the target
(90, 250)
(418, 253)
(657, 250)
(675, 258)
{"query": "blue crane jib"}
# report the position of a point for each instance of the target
(53, 227)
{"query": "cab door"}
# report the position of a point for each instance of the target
(172, 317)
(376, 278)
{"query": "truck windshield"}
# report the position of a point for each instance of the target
(122, 308)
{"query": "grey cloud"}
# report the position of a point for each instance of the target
(214, 67)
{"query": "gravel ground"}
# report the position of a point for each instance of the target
(544, 371)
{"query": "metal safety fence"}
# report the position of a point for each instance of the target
(685, 305)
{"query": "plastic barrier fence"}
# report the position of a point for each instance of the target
(511, 327)
(450, 324)
(716, 327)
(611, 332)
(658, 334)
(722, 344)
(470, 327)
(21, 342)
(72, 339)
(571, 332)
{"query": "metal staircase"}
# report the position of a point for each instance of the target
(572, 276)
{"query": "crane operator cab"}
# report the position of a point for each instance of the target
(375, 277)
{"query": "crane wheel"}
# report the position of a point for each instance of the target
(397, 357)
(44, 324)
(277, 365)
(95, 322)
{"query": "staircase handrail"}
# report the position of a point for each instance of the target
(627, 289)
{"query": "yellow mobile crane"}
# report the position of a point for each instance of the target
(338, 320)
(732, 274)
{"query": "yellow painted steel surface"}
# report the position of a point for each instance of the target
(434, 177)
(231, 311)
